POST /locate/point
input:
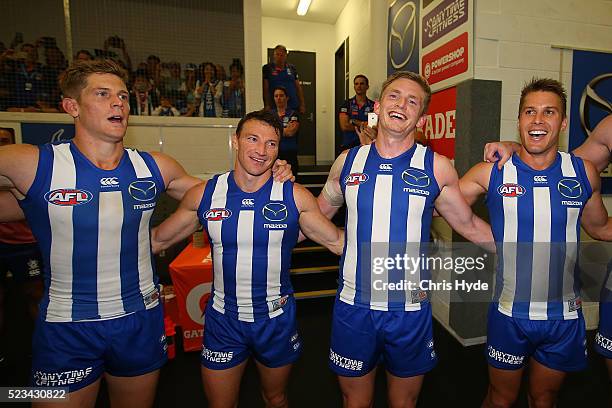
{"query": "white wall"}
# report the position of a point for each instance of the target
(364, 22)
(313, 37)
(513, 39)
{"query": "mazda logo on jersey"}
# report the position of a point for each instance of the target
(354, 179)
(275, 212)
(217, 214)
(68, 197)
(511, 190)
(570, 188)
(416, 178)
(143, 190)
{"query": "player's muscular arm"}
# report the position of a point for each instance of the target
(183, 222)
(314, 224)
(18, 165)
(176, 179)
(475, 182)
(598, 147)
(595, 218)
(9, 208)
(500, 152)
(331, 197)
(452, 206)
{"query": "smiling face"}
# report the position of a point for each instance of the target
(400, 110)
(541, 119)
(102, 108)
(256, 147)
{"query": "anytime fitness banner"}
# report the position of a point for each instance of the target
(591, 100)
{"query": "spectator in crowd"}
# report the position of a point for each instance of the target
(210, 90)
(118, 43)
(220, 73)
(143, 98)
(189, 89)
(166, 107)
(233, 92)
(154, 71)
(353, 115)
(289, 145)
(5, 76)
(280, 73)
(172, 81)
(27, 78)
(83, 55)
(55, 64)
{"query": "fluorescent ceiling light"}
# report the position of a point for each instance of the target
(302, 7)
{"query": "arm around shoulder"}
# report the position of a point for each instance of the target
(183, 222)
(176, 179)
(314, 224)
(595, 218)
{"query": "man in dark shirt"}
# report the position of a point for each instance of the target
(280, 73)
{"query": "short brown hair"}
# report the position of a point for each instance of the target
(74, 79)
(544, 85)
(413, 76)
(268, 117)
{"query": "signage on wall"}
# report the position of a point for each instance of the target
(41, 133)
(440, 123)
(591, 100)
(432, 37)
(403, 36)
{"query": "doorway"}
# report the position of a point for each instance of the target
(341, 85)
(305, 64)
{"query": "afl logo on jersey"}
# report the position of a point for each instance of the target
(68, 197)
(217, 214)
(275, 212)
(354, 179)
(416, 178)
(143, 190)
(570, 188)
(511, 190)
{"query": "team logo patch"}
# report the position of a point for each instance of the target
(275, 212)
(416, 178)
(354, 179)
(67, 197)
(217, 214)
(143, 190)
(511, 190)
(570, 188)
(109, 182)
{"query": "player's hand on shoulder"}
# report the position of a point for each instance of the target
(281, 171)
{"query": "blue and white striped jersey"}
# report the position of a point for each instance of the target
(251, 238)
(535, 218)
(390, 205)
(93, 229)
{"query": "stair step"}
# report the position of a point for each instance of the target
(315, 294)
(313, 269)
(303, 249)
